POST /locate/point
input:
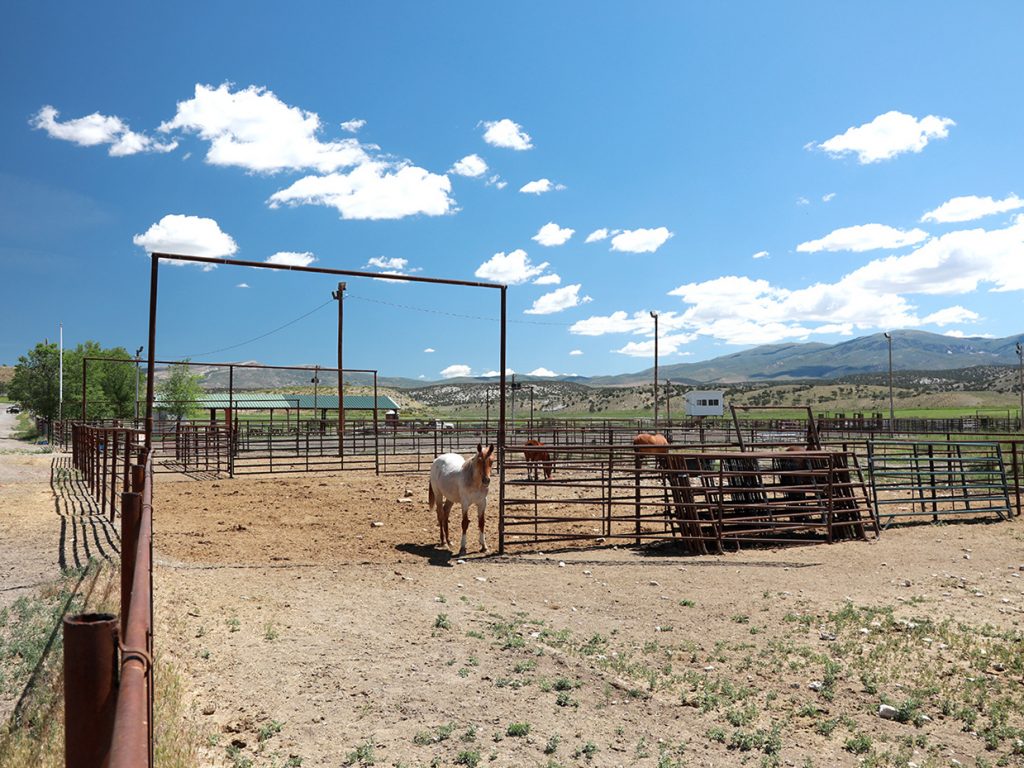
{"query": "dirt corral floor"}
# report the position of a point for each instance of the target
(308, 634)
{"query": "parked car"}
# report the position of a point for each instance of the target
(13, 409)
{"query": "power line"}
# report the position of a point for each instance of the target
(429, 311)
(410, 307)
(262, 335)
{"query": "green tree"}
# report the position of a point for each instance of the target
(179, 392)
(109, 386)
(36, 380)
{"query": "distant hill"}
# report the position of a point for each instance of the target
(911, 351)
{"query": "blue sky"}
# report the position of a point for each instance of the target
(757, 173)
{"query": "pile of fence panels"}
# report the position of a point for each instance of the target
(707, 500)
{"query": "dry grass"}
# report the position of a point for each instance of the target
(31, 655)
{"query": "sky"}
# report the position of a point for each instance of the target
(756, 173)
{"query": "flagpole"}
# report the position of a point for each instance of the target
(60, 406)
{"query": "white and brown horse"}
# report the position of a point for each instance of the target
(536, 456)
(465, 482)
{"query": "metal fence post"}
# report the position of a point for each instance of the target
(90, 688)
(131, 520)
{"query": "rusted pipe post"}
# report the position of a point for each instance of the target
(138, 477)
(131, 520)
(90, 688)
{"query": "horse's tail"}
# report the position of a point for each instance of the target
(430, 493)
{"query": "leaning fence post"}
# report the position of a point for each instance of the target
(90, 688)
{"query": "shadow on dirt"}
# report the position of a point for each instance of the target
(85, 532)
(432, 554)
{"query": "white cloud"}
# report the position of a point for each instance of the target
(497, 182)
(640, 240)
(493, 373)
(956, 262)
(383, 262)
(373, 190)
(471, 165)
(558, 300)
(887, 136)
(512, 269)
(390, 266)
(550, 279)
(95, 129)
(864, 237)
(242, 285)
(742, 310)
(828, 197)
(970, 207)
(353, 126)
(802, 201)
(253, 129)
(576, 352)
(455, 371)
(291, 258)
(596, 235)
(540, 186)
(950, 316)
(542, 371)
(667, 345)
(507, 134)
(617, 322)
(429, 350)
(552, 234)
(760, 255)
(186, 236)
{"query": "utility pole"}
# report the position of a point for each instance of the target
(316, 383)
(138, 352)
(60, 395)
(339, 296)
(1020, 376)
(512, 415)
(655, 316)
(892, 402)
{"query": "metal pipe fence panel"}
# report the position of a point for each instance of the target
(706, 499)
(939, 479)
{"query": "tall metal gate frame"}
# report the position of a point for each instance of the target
(156, 258)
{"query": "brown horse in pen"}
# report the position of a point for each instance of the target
(536, 456)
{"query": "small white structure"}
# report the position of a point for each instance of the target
(705, 402)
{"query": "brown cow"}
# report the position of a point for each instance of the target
(535, 455)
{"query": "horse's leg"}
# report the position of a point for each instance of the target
(465, 525)
(439, 510)
(446, 531)
(480, 509)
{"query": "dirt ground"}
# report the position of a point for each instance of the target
(305, 634)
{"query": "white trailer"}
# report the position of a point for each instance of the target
(705, 402)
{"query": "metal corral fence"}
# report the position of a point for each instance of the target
(705, 499)
(103, 456)
(938, 480)
(108, 661)
(256, 446)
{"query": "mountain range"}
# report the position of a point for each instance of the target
(911, 351)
